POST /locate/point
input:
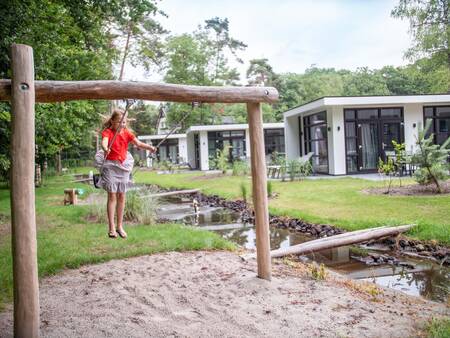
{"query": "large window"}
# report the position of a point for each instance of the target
(441, 122)
(234, 139)
(315, 133)
(168, 150)
(274, 141)
(369, 133)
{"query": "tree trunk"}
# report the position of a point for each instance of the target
(125, 52)
(58, 162)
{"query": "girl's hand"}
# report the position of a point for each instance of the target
(152, 149)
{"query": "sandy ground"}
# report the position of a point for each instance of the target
(216, 294)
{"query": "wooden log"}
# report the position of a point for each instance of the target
(259, 189)
(171, 193)
(23, 214)
(337, 241)
(57, 91)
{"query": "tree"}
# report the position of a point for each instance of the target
(144, 118)
(142, 34)
(219, 44)
(260, 73)
(430, 27)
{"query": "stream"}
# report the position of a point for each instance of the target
(412, 276)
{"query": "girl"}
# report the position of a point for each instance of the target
(116, 169)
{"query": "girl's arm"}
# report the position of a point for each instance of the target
(143, 145)
(105, 141)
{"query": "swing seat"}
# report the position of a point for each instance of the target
(96, 180)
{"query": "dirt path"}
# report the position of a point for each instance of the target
(216, 294)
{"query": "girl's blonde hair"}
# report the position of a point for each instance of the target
(116, 114)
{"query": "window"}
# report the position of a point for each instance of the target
(168, 150)
(234, 139)
(440, 126)
(274, 141)
(316, 140)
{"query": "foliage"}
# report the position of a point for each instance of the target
(317, 272)
(240, 168)
(222, 159)
(269, 188)
(140, 208)
(143, 118)
(292, 168)
(430, 158)
(438, 328)
(429, 26)
(244, 191)
(387, 169)
(260, 73)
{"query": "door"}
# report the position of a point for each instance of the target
(391, 131)
(369, 142)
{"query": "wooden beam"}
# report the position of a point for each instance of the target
(347, 238)
(259, 189)
(23, 215)
(57, 91)
(171, 193)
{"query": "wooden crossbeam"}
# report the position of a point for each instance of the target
(58, 91)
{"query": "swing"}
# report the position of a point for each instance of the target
(96, 177)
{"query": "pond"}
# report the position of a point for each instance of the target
(414, 277)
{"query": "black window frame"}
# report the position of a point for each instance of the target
(435, 119)
(270, 136)
(307, 141)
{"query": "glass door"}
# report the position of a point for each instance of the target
(391, 131)
(368, 146)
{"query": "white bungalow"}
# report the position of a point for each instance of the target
(200, 143)
(348, 135)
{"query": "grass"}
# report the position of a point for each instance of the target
(340, 202)
(67, 240)
(438, 328)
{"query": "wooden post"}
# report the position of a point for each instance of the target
(23, 216)
(259, 189)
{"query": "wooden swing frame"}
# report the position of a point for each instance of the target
(22, 91)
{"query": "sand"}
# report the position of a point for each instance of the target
(216, 294)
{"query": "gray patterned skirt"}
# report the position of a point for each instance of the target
(115, 176)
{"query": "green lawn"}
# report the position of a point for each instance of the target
(67, 240)
(340, 202)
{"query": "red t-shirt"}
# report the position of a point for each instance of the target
(120, 146)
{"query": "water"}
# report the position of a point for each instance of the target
(426, 279)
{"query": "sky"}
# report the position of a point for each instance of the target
(296, 34)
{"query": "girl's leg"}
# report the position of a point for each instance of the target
(120, 210)
(111, 207)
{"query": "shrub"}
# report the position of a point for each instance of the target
(240, 168)
(387, 169)
(222, 159)
(244, 192)
(304, 169)
(431, 159)
(292, 169)
(318, 272)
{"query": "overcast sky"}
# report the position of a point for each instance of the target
(295, 34)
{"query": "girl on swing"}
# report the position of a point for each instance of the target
(117, 166)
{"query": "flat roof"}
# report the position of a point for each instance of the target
(367, 100)
(219, 127)
(160, 136)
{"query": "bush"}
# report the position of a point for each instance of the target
(244, 192)
(387, 169)
(138, 208)
(240, 168)
(431, 159)
(222, 159)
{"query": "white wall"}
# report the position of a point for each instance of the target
(204, 161)
(336, 140)
(182, 149)
(247, 143)
(291, 137)
(413, 113)
(190, 145)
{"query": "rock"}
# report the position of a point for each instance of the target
(420, 247)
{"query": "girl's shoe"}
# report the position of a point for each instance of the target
(112, 234)
(122, 233)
